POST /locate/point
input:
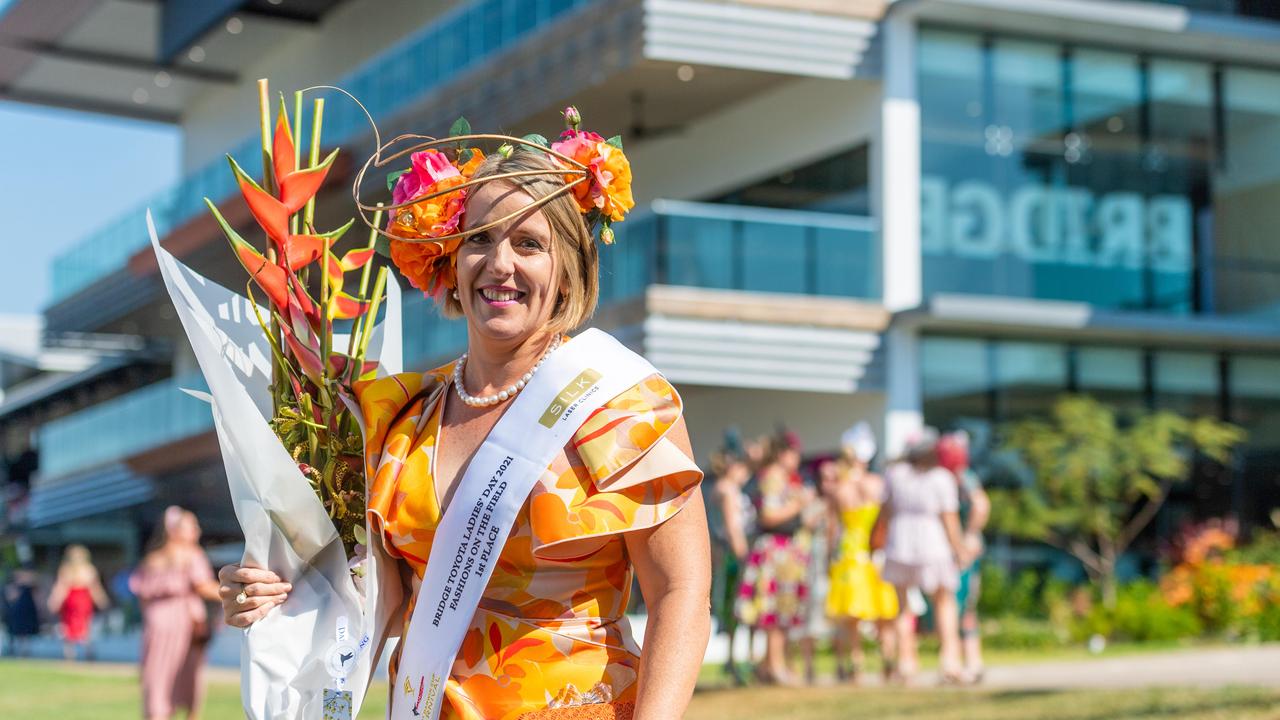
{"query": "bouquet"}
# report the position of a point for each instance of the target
(290, 437)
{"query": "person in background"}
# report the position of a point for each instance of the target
(815, 532)
(924, 550)
(21, 618)
(773, 591)
(172, 584)
(76, 594)
(857, 591)
(975, 509)
(732, 519)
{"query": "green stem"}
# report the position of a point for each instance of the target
(363, 321)
(268, 184)
(317, 121)
(379, 286)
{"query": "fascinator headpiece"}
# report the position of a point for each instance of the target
(423, 225)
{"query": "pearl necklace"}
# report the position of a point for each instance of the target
(502, 395)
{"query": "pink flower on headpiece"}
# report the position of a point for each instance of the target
(608, 188)
(407, 187)
(432, 166)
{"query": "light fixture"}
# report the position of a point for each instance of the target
(141, 96)
(235, 25)
(163, 79)
(685, 73)
(196, 54)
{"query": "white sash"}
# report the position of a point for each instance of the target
(575, 380)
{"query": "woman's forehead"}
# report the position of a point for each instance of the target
(494, 200)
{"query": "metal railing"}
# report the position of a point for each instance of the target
(389, 82)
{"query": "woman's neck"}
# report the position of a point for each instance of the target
(495, 365)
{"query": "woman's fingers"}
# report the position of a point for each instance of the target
(249, 617)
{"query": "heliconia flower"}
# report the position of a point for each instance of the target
(572, 118)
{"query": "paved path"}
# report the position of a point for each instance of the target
(1216, 667)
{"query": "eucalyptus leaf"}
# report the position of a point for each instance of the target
(536, 139)
(615, 141)
(460, 127)
(382, 245)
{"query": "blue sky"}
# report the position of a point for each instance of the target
(64, 174)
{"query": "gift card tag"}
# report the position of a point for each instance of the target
(337, 704)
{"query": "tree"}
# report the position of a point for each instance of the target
(1095, 483)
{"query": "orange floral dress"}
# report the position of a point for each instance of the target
(550, 630)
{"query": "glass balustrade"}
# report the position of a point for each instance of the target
(133, 423)
(386, 84)
(703, 245)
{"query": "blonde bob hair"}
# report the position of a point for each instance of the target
(572, 245)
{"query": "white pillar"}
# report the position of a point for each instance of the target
(897, 188)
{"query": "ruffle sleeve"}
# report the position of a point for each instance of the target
(391, 410)
(619, 473)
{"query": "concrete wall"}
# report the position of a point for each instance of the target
(788, 126)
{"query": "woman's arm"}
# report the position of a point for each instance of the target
(99, 593)
(732, 515)
(673, 565)
(951, 523)
(58, 593)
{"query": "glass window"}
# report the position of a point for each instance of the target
(1112, 375)
(1086, 174)
(956, 381)
(1186, 383)
(1245, 268)
(1029, 377)
(1255, 406)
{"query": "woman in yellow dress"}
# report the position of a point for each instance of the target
(857, 592)
(619, 500)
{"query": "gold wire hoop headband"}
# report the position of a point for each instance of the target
(572, 167)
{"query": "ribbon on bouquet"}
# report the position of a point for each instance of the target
(573, 382)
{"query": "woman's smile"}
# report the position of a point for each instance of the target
(500, 296)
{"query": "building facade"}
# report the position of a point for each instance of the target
(925, 211)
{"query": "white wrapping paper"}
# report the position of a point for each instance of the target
(329, 633)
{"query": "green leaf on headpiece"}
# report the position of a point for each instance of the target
(536, 139)
(460, 127)
(615, 141)
(393, 177)
(465, 156)
(382, 246)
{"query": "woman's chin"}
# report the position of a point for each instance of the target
(502, 328)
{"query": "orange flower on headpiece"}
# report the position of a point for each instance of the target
(428, 265)
(608, 188)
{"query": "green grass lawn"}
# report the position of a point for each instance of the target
(42, 690)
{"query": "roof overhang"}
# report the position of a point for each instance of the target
(1147, 26)
(1080, 322)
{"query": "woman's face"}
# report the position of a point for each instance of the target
(507, 280)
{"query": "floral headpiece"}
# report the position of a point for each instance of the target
(428, 198)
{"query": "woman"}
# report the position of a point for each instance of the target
(974, 510)
(733, 519)
(172, 584)
(76, 593)
(857, 591)
(924, 550)
(774, 590)
(620, 498)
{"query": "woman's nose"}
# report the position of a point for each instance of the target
(502, 258)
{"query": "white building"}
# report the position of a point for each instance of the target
(941, 211)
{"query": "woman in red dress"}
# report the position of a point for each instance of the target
(75, 595)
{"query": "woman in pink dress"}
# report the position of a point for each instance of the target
(172, 584)
(75, 595)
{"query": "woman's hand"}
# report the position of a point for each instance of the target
(248, 594)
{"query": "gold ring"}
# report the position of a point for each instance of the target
(242, 598)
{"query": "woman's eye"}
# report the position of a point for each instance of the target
(478, 239)
(531, 244)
